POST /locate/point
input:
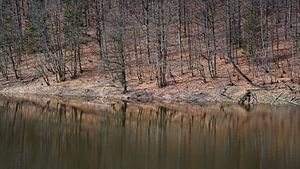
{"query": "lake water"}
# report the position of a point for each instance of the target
(54, 134)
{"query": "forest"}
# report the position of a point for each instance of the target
(134, 42)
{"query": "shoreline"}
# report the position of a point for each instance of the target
(230, 94)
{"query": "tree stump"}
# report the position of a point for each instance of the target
(248, 96)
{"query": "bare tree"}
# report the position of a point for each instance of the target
(73, 30)
(117, 57)
(56, 40)
(161, 57)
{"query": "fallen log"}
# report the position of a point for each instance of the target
(296, 99)
(291, 102)
(276, 98)
(223, 93)
(289, 87)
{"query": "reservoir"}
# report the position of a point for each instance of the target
(77, 134)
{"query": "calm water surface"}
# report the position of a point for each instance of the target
(52, 135)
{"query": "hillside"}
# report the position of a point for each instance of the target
(170, 50)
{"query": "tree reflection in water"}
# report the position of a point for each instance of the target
(130, 135)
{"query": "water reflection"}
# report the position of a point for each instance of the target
(48, 134)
